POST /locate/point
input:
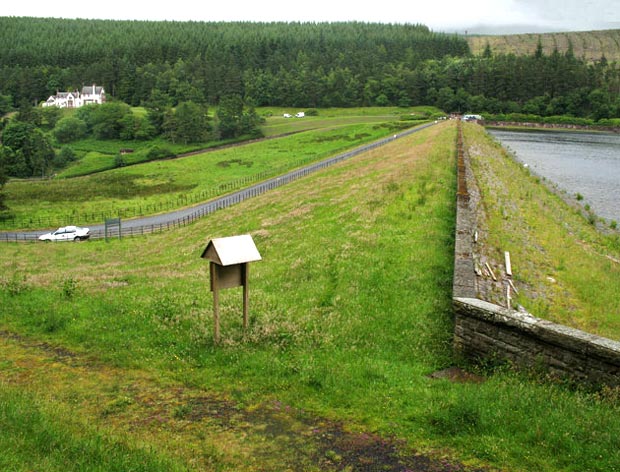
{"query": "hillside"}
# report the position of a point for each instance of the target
(200, 61)
(589, 45)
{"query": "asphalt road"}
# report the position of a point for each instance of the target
(184, 216)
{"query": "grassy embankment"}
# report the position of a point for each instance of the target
(565, 270)
(160, 186)
(154, 187)
(350, 312)
(591, 45)
(97, 156)
(276, 124)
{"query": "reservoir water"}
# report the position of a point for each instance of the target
(579, 163)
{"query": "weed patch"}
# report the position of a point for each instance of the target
(239, 162)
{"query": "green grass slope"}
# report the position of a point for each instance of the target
(160, 186)
(350, 311)
(165, 185)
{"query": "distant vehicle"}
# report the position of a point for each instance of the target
(287, 115)
(472, 118)
(300, 114)
(67, 233)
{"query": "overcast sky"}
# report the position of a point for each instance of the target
(489, 16)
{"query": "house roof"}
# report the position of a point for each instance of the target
(232, 250)
(92, 90)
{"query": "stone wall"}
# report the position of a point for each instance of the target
(485, 330)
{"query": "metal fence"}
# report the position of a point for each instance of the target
(181, 218)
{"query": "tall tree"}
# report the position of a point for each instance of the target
(27, 151)
(188, 123)
(233, 119)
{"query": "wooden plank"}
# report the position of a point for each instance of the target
(216, 304)
(513, 286)
(508, 266)
(246, 295)
(508, 297)
(490, 271)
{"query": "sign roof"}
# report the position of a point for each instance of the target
(232, 250)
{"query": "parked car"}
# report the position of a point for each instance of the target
(67, 233)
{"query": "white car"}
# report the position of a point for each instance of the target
(67, 233)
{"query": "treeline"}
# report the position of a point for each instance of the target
(203, 62)
(538, 84)
(311, 65)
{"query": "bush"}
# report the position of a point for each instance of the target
(517, 117)
(156, 152)
(69, 129)
(568, 120)
(609, 122)
(64, 157)
(119, 161)
(412, 118)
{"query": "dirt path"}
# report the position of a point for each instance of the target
(204, 430)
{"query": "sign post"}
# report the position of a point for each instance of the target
(110, 224)
(229, 267)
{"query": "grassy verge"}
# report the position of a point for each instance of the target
(552, 129)
(565, 269)
(99, 156)
(350, 312)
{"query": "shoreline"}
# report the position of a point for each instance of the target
(542, 127)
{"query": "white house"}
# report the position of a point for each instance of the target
(64, 100)
(89, 95)
(93, 94)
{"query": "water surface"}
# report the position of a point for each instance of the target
(579, 163)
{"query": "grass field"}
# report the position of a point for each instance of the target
(590, 45)
(158, 186)
(276, 124)
(110, 360)
(97, 155)
(166, 185)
